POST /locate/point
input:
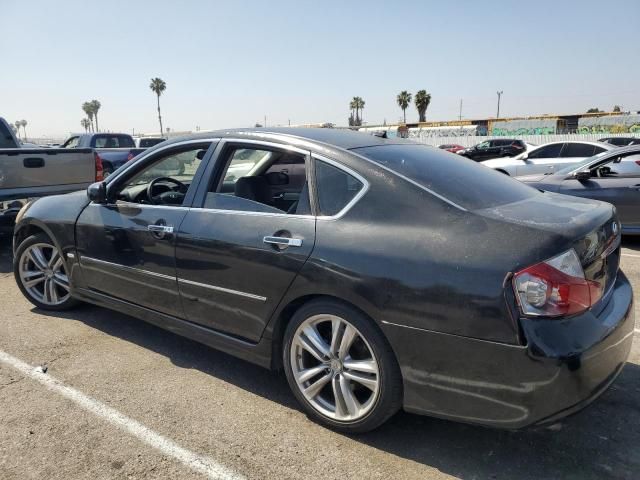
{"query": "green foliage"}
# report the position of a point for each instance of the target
(422, 101)
(404, 99)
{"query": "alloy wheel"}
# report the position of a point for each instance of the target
(43, 274)
(335, 368)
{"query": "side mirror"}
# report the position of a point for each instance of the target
(97, 192)
(583, 175)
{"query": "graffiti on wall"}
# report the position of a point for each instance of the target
(524, 127)
(610, 124)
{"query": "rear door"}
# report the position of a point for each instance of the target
(237, 250)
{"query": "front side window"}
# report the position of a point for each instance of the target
(263, 180)
(578, 150)
(71, 143)
(483, 145)
(549, 151)
(335, 187)
(467, 184)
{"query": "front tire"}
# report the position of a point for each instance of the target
(41, 274)
(341, 368)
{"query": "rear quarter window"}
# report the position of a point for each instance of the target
(461, 181)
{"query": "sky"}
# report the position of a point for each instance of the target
(231, 63)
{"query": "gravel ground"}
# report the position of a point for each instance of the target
(245, 418)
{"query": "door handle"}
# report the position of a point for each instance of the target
(283, 241)
(160, 228)
(33, 162)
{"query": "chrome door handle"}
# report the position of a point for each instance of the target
(284, 241)
(160, 228)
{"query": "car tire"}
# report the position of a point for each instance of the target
(353, 390)
(41, 274)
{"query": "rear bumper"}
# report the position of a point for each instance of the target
(565, 365)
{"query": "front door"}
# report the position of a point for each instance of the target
(237, 255)
(127, 246)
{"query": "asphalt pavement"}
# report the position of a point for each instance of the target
(94, 394)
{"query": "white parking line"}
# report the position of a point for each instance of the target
(198, 463)
(630, 255)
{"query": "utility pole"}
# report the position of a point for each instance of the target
(499, 95)
(460, 115)
(265, 121)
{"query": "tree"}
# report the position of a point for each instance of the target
(158, 86)
(617, 108)
(359, 107)
(24, 127)
(87, 108)
(356, 105)
(593, 110)
(85, 124)
(404, 100)
(95, 106)
(422, 101)
(18, 124)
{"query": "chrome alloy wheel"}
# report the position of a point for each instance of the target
(43, 275)
(335, 368)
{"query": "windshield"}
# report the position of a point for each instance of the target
(574, 167)
(458, 179)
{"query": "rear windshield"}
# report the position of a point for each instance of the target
(458, 179)
(150, 142)
(112, 141)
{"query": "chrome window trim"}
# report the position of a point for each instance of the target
(129, 165)
(223, 290)
(172, 278)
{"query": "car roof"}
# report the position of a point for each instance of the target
(342, 138)
(585, 142)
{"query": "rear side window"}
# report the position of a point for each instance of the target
(336, 188)
(550, 151)
(6, 139)
(459, 180)
(578, 150)
(112, 141)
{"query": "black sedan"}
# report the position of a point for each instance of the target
(612, 176)
(377, 273)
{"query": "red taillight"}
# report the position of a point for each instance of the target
(99, 169)
(638, 162)
(130, 156)
(555, 287)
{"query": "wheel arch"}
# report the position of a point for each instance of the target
(32, 227)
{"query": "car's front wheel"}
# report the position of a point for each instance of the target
(341, 368)
(41, 274)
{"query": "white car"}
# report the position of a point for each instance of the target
(547, 158)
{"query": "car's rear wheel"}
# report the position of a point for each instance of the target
(41, 274)
(341, 368)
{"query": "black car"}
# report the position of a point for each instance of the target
(377, 273)
(499, 147)
(621, 141)
(612, 176)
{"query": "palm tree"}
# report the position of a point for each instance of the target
(24, 127)
(158, 86)
(404, 99)
(352, 118)
(88, 109)
(85, 124)
(422, 101)
(18, 124)
(95, 106)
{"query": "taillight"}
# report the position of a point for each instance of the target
(638, 162)
(99, 169)
(555, 287)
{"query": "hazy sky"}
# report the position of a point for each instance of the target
(230, 63)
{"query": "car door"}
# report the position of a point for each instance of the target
(540, 160)
(126, 246)
(480, 152)
(574, 152)
(237, 252)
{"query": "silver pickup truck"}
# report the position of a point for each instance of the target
(37, 172)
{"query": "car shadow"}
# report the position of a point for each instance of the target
(599, 442)
(631, 242)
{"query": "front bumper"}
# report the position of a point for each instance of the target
(565, 365)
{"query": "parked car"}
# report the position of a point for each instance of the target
(621, 141)
(547, 158)
(113, 149)
(612, 176)
(496, 148)
(27, 172)
(147, 142)
(375, 282)
(451, 147)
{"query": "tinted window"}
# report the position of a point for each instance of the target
(578, 150)
(549, 151)
(336, 188)
(112, 141)
(150, 142)
(71, 143)
(468, 184)
(6, 139)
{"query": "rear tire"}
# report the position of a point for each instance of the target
(41, 274)
(341, 368)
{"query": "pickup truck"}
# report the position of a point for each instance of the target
(27, 172)
(113, 149)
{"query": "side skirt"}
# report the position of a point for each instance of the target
(257, 353)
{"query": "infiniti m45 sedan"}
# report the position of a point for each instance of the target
(379, 274)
